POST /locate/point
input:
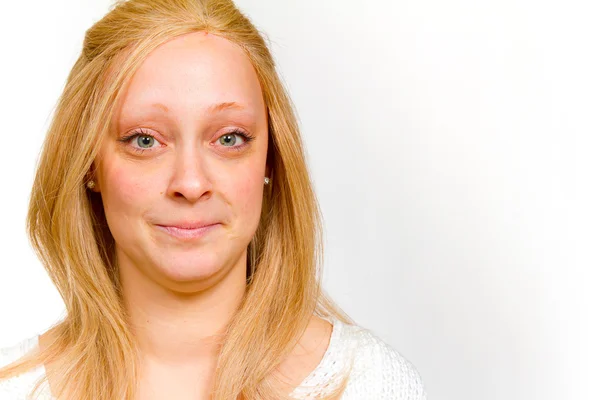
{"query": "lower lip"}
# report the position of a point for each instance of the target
(181, 233)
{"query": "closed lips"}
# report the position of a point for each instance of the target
(188, 225)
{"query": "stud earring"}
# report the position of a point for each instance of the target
(91, 184)
(267, 180)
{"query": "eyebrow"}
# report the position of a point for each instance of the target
(215, 108)
(225, 106)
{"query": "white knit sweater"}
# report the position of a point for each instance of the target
(379, 372)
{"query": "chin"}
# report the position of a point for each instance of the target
(186, 268)
(188, 274)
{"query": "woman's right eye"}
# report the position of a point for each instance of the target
(143, 140)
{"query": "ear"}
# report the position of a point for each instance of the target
(96, 188)
(269, 162)
(91, 177)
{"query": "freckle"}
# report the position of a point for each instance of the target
(161, 192)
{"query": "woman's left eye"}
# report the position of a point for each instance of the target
(231, 139)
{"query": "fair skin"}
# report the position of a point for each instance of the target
(195, 166)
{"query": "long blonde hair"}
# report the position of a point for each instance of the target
(68, 230)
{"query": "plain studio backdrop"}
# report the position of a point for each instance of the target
(453, 149)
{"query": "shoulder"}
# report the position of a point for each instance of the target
(18, 387)
(14, 352)
(380, 371)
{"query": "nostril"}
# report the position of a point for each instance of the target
(193, 196)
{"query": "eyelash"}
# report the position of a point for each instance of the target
(142, 132)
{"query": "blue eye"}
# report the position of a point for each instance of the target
(232, 139)
(145, 141)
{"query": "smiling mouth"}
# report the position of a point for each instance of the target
(187, 233)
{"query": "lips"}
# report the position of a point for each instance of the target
(187, 231)
(188, 224)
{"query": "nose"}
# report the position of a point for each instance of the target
(191, 178)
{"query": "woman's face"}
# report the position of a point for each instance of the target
(176, 158)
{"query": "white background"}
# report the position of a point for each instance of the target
(453, 145)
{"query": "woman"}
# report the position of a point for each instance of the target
(173, 210)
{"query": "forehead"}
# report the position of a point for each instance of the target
(190, 74)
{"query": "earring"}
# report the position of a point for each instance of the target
(267, 180)
(91, 184)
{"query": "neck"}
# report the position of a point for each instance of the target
(181, 327)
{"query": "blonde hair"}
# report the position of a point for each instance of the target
(68, 230)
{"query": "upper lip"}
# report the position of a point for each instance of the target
(189, 224)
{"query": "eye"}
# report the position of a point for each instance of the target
(232, 139)
(144, 141)
(236, 140)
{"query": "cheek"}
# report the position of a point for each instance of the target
(247, 196)
(124, 193)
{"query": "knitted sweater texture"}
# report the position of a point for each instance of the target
(377, 371)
